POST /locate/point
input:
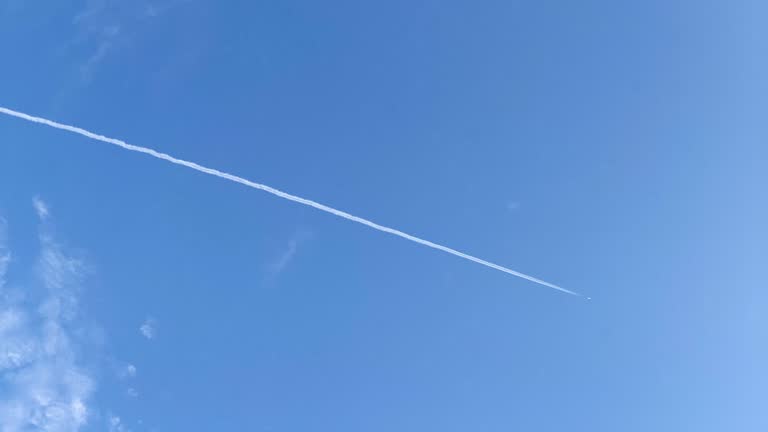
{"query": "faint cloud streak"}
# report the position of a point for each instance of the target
(41, 208)
(46, 388)
(129, 371)
(5, 253)
(106, 26)
(115, 424)
(149, 328)
(282, 262)
(513, 206)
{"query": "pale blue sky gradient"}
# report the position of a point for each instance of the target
(630, 137)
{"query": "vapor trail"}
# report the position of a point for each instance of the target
(277, 192)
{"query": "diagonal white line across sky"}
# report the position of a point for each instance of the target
(279, 193)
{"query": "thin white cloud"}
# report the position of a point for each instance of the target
(287, 256)
(127, 372)
(115, 424)
(513, 206)
(282, 262)
(106, 27)
(279, 193)
(99, 31)
(132, 392)
(154, 10)
(149, 328)
(41, 208)
(5, 260)
(87, 68)
(5, 253)
(46, 388)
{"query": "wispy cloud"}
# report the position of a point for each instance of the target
(5, 253)
(126, 372)
(115, 424)
(149, 328)
(98, 55)
(47, 377)
(41, 208)
(284, 195)
(100, 30)
(156, 9)
(46, 387)
(105, 27)
(282, 262)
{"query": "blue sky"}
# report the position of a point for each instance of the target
(615, 148)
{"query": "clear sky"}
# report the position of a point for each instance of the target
(618, 149)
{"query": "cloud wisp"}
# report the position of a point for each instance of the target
(148, 328)
(5, 253)
(45, 386)
(282, 262)
(279, 193)
(48, 350)
(41, 208)
(127, 372)
(115, 424)
(106, 27)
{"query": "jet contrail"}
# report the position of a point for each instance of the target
(277, 192)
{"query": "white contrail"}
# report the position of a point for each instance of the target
(274, 191)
